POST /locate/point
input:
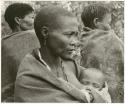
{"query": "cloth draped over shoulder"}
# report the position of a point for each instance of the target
(36, 83)
(14, 48)
(105, 51)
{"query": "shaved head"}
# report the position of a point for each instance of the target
(50, 17)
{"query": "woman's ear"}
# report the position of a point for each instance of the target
(44, 31)
(17, 20)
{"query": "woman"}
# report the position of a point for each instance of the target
(49, 74)
(20, 18)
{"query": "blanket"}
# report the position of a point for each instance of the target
(14, 48)
(36, 83)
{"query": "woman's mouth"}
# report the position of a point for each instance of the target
(70, 50)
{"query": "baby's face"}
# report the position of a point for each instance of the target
(90, 83)
(95, 80)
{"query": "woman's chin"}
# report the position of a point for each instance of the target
(67, 56)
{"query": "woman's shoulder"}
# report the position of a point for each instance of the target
(28, 64)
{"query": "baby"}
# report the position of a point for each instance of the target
(95, 79)
(92, 77)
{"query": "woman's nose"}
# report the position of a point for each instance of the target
(73, 43)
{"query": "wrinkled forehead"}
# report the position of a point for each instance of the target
(68, 23)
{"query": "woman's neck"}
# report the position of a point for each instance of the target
(52, 60)
(17, 29)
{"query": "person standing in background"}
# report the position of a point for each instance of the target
(20, 18)
(102, 49)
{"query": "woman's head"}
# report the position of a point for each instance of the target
(57, 29)
(19, 15)
(96, 16)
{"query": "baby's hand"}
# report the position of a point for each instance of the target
(103, 93)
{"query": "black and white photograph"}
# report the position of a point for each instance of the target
(62, 51)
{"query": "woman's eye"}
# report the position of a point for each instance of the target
(85, 82)
(71, 34)
(67, 34)
(95, 85)
(75, 34)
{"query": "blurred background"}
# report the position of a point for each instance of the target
(76, 7)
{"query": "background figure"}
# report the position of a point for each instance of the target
(102, 49)
(76, 7)
(22, 40)
(20, 17)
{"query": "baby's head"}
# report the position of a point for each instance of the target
(92, 77)
(96, 16)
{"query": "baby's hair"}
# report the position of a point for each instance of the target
(93, 11)
(94, 70)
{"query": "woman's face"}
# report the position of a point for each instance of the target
(27, 22)
(62, 41)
